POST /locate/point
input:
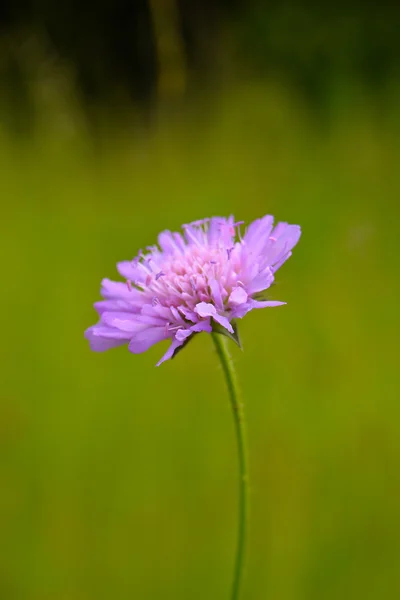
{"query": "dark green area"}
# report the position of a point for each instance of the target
(116, 53)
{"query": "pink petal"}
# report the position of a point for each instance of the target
(143, 340)
(183, 334)
(201, 326)
(170, 352)
(103, 338)
(205, 309)
(116, 290)
(258, 231)
(261, 282)
(266, 303)
(117, 305)
(224, 322)
(238, 312)
(238, 296)
(216, 292)
(170, 243)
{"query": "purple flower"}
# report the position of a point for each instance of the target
(201, 280)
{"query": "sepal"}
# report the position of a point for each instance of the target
(217, 328)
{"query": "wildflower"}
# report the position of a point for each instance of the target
(201, 280)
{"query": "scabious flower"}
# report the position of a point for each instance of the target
(202, 280)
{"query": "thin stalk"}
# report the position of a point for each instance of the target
(221, 345)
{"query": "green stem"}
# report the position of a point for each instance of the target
(220, 342)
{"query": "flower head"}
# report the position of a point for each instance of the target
(197, 281)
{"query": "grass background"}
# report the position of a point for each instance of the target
(118, 480)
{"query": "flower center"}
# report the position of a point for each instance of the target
(185, 279)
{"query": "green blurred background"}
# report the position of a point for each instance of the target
(119, 480)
